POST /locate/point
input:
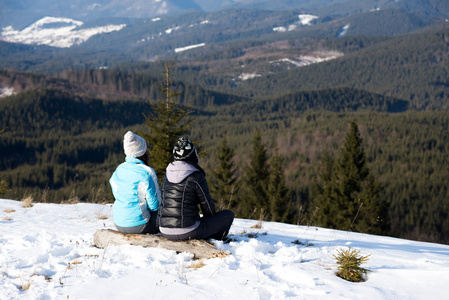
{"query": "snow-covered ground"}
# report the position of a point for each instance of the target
(6, 91)
(55, 32)
(46, 252)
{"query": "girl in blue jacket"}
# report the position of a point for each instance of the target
(136, 189)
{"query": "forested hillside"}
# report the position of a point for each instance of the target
(62, 146)
(53, 140)
(412, 67)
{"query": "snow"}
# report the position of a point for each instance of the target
(170, 30)
(93, 6)
(280, 29)
(306, 19)
(344, 30)
(312, 58)
(46, 252)
(6, 91)
(181, 49)
(246, 76)
(56, 32)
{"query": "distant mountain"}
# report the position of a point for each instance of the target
(21, 13)
(64, 32)
(412, 67)
(230, 46)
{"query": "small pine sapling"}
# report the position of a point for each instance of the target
(3, 183)
(349, 262)
(4, 186)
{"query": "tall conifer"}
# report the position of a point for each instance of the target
(278, 193)
(3, 183)
(225, 187)
(346, 194)
(325, 192)
(256, 181)
(167, 121)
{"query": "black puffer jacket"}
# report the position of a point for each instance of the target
(184, 187)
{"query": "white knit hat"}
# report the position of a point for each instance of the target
(134, 145)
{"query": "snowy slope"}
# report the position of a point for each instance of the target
(56, 32)
(20, 13)
(46, 253)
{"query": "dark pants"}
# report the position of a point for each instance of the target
(211, 227)
(150, 227)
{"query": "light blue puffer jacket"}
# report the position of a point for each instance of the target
(136, 192)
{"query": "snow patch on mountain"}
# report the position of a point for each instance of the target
(172, 30)
(246, 76)
(181, 49)
(94, 6)
(55, 32)
(344, 30)
(280, 29)
(312, 58)
(304, 20)
(6, 91)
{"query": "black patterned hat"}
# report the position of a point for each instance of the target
(185, 150)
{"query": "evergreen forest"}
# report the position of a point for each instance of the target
(57, 146)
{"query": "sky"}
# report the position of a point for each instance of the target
(47, 252)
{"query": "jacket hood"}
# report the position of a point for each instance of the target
(178, 170)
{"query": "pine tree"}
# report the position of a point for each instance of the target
(349, 262)
(167, 121)
(225, 188)
(256, 181)
(3, 186)
(346, 193)
(325, 192)
(278, 193)
(352, 171)
(3, 183)
(373, 214)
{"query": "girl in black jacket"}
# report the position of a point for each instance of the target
(184, 187)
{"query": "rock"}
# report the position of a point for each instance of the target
(199, 248)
